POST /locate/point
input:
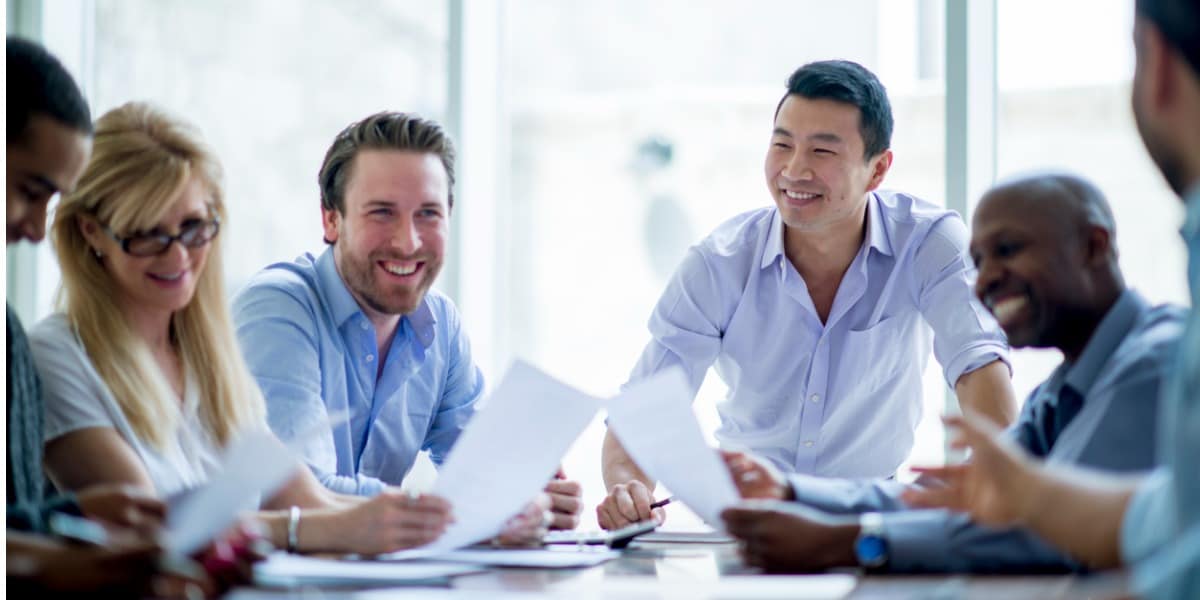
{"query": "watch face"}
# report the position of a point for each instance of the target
(871, 551)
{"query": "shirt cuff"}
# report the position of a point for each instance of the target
(352, 486)
(918, 540)
(841, 496)
(1149, 520)
(369, 486)
(974, 359)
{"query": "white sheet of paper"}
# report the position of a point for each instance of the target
(547, 559)
(506, 455)
(436, 594)
(254, 465)
(284, 569)
(685, 537)
(654, 422)
(740, 587)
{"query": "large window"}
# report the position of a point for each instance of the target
(619, 133)
(1065, 104)
(268, 83)
(639, 127)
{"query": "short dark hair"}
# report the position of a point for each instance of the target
(39, 84)
(851, 83)
(381, 131)
(1179, 22)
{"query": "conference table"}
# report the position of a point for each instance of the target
(713, 570)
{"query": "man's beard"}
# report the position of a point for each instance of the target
(363, 281)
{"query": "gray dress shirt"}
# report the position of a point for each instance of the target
(1118, 375)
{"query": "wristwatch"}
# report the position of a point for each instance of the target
(871, 547)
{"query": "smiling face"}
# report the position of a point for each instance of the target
(1032, 268)
(815, 168)
(390, 242)
(47, 159)
(165, 282)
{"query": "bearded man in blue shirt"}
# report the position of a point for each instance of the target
(359, 331)
(819, 312)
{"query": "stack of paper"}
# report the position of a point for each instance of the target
(568, 558)
(736, 587)
(685, 537)
(288, 570)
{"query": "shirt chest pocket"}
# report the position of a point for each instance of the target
(872, 357)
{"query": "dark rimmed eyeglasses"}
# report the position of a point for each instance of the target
(194, 233)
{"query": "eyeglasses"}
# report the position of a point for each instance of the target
(194, 233)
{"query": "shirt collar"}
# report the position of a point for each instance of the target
(773, 249)
(338, 300)
(876, 237)
(1112, 329)
(343, 307)
(877, 233)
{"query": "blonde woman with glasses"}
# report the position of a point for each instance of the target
(144, 382)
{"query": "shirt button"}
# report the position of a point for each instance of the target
(808, 443)
(815, 397)
(370, 358)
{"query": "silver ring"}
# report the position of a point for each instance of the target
(547, 518)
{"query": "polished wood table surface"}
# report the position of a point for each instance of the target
(663, 564)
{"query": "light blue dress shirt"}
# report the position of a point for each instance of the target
(1161, 530)
(1119, 376)
(314, 354)
(840, 398)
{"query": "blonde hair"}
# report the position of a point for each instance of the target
(142, 158)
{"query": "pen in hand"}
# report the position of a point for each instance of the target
(661, 503)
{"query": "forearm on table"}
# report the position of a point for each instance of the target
(317, 530)
(988, 391)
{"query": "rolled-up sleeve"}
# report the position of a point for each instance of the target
(847, 496)
(277, 333)
(965, 336)
(1149, 522)
(685, 327)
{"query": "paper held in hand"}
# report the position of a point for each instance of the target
(505, 456)
(654, 421)
(253, 466)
